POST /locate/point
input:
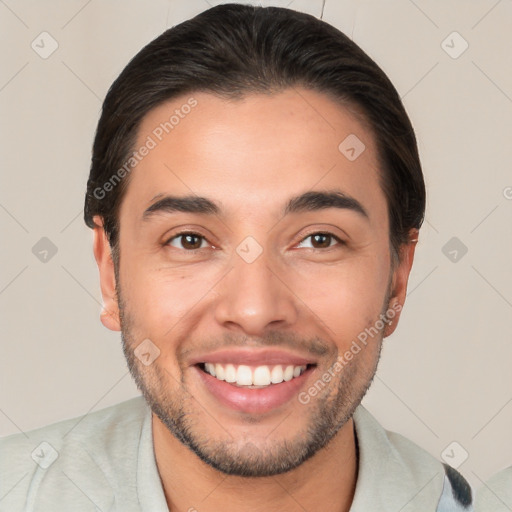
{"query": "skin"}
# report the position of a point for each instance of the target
(250, 156)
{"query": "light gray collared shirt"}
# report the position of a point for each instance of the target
(105, 461)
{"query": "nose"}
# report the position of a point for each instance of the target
(254, 298)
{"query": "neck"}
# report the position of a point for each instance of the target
(326, 481)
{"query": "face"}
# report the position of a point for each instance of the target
(254, 254)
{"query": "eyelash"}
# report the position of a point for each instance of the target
(326, 233)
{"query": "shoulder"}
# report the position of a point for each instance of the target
(96, 428)
(68, 453)
(406, 471)
(495, 495)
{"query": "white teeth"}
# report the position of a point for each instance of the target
(276, 376)
(230, 373)
(210, 368)
(260, 376)
(244, 376)
(219, 371)
(288, 373)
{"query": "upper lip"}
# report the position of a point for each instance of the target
(252, 357)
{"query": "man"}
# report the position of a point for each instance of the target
(256, 196)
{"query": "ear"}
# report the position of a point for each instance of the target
(400, 280)
(102, 252)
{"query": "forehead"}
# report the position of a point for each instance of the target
(256, 150)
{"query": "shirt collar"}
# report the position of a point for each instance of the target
(149, 486)
(387, 480)
(393, 473)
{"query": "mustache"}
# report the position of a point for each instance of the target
(315, 346)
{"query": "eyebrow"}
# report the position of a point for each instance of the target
(306, 202)
(187, 204)
(317, 200)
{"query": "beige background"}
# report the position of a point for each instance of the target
(445, 375)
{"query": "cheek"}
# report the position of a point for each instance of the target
(346, 298)
(160, 299)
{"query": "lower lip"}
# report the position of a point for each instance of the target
(253, 400)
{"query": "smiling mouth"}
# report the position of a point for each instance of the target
(254, 377)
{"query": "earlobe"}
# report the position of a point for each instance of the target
(109, 315)
(400, 281)
(393, 315)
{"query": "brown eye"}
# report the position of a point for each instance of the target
(188, 241)
(321, 241)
